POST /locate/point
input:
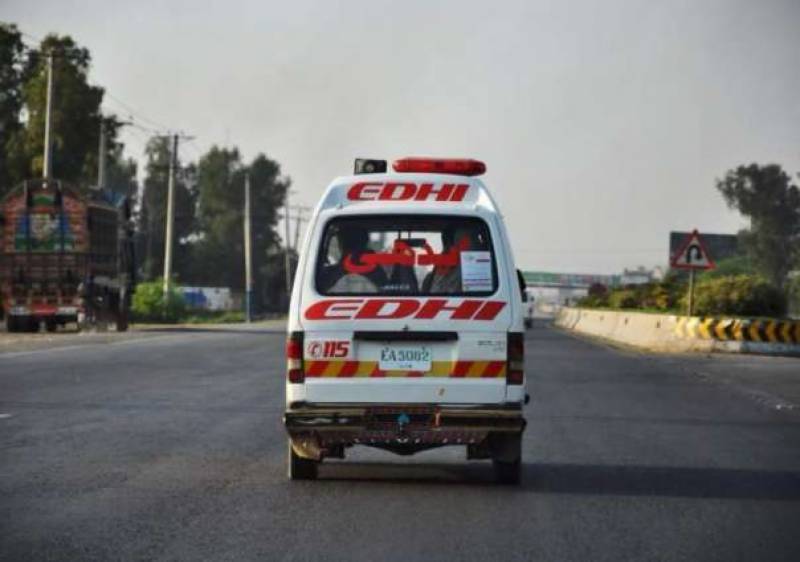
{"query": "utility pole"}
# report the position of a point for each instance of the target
(47, 169)
(299, 219)
(248, 257)
(173, 160)
(101, 156)
(288, 259)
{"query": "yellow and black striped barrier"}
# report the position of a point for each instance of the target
(738, 329)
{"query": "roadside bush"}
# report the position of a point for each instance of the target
(597, 290)
(624, 298)
(656, 296)
(733, 295)
(738, 295)
(594, 301)
(148, 303)
(793, 292)
(663, 296)
(597, 296)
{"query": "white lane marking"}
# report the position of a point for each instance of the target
(4, 416)
(762, 397)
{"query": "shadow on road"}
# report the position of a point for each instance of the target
(676, 482)
(663, 481)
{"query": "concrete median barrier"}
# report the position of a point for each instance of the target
(672, 333)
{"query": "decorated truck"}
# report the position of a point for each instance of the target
(65, 257)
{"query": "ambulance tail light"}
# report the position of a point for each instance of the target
(515, 366)
(294, 358)
(455, 166)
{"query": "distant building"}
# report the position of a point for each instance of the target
(557, 289)
(719, 246)
(638, 276)
(569, 280)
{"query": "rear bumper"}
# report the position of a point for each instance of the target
(316, 429)
(44, 311)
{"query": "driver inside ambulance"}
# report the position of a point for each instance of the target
(445, 279)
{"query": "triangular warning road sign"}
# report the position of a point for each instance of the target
(692, 254)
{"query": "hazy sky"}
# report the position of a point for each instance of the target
(603, 124)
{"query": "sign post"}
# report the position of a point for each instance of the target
(692, 255)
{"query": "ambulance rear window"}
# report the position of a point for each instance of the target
(406, 255)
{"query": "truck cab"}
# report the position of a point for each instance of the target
(405, 328)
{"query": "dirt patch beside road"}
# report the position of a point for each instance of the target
(22, 342)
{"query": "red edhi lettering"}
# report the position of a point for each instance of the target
(393, 309)
(406, 191)
(364, 191)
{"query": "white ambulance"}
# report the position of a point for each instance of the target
(405, 328)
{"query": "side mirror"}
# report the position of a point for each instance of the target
(521, 279)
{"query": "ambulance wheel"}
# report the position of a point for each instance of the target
(507, 472)
(506, 458)
(300, 468)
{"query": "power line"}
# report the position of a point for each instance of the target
(139, 138)
(160, 127)
(135, 112)
(192, 145)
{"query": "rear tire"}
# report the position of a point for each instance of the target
(121, 315)
(300, 468)
(51, 326)
(506, 458)
(508, 472)
(12, 324)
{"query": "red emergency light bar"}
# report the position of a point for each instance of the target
(455, 166)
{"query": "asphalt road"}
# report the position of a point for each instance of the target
(171, 447)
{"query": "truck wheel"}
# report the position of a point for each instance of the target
(300, 468)
(121, 317)
(122, 322)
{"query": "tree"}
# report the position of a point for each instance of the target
(120, 172)
(75, 117)
(153, 213)
(765, 195)
(219, 250)
(12, 64)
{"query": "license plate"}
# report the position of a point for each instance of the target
(405, 358)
